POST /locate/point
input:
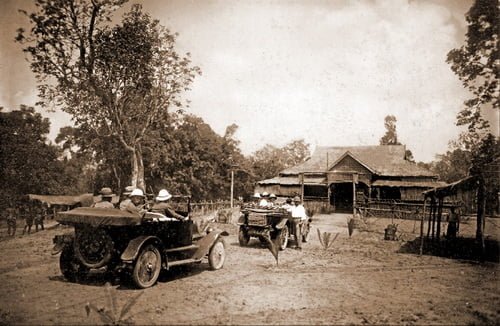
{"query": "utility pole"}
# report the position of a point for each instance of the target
(232, 186)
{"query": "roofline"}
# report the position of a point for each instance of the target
(355, 158)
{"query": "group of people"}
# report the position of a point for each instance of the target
(293, 206)
(133, 200)
(36, 216)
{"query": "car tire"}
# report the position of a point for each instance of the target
(217, 255)
(243, 237)
(283, 238)
(147, 267)
(71, 269)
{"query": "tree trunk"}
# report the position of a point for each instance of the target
(481, 205)
(137, 177)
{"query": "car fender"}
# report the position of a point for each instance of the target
(61, 241)
(206, 243)
(241, 219)
(282, 223)
(134, 246)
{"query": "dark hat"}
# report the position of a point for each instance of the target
(106, 192)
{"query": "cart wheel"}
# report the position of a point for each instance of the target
(283, 238)
(147, 267)
(217, 255)
(243, 237)
(306, 232)
(71, 269)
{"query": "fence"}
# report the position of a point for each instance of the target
(396, 209)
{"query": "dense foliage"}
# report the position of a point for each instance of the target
(116, 81)
(28, 164)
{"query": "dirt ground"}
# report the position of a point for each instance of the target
(359, 280)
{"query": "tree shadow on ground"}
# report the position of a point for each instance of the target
(457, 248)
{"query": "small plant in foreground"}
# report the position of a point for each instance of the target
(326, 239)
(109, 315)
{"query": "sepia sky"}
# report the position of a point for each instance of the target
(325, 71)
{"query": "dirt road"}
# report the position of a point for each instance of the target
(360, 280)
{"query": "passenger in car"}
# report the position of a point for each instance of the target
(106, 197)
(126, 197)
(263, 202)
(137, 202)
(163, 207)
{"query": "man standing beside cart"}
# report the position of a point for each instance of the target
(299, 216)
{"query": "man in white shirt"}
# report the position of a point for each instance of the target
(298, 216)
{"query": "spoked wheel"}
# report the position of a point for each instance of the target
(147, 267)
(217, 255)
(283, 238)
(71, 269)
(306, 228)
(243, 237)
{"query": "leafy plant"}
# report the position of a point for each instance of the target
(326, 239)
(273, 247)
(109, 315)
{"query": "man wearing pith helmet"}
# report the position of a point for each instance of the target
(137, 201)
(163, 207)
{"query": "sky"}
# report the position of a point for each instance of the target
(327, 72)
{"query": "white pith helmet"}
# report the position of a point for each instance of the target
(163, 195)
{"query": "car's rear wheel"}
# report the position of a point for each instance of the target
(70, 267)
(147, 267)
(283, 238)
(243, 237)
(217, 255)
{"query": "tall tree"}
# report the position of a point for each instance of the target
(116, 81)
(477, 65)
(390, 137)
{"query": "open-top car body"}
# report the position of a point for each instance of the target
(137, 246)
(269, 223)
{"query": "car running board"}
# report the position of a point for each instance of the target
(185, 248)
(183, 262)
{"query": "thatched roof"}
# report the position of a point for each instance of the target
(467, 183)
(407, 184)
(84, 199)
(384, 160)
(293, 180)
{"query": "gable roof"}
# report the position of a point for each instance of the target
(384, 160)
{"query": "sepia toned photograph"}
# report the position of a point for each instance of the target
(249, 162)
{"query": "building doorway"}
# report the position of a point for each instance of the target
(341, 197)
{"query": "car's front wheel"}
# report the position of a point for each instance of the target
(147, 267)
(217, 255)
(71, 269)
(283, 238)
(243, 237)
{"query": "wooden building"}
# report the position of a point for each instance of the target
(337, 176)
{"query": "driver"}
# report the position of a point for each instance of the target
(163, 207)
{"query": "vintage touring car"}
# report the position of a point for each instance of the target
(274, 224)
(134, 246)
